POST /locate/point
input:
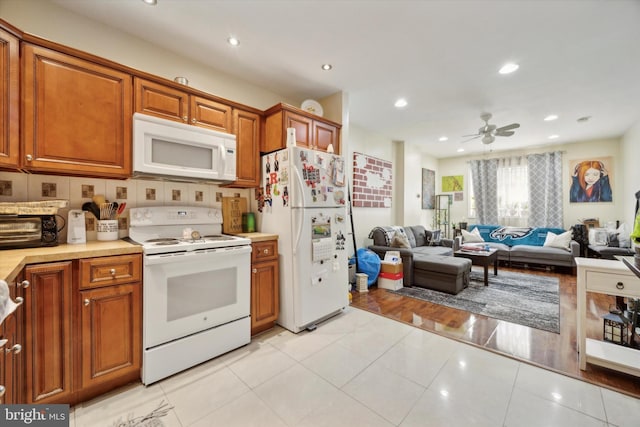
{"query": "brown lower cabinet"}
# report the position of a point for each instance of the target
(82, 328)
(265, 286)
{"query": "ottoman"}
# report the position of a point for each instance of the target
(441, 273)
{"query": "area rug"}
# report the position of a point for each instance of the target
(525, 299)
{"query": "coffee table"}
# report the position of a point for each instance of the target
(483, 258)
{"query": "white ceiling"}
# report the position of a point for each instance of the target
(577, 58)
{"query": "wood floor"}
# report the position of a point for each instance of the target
(556, 352)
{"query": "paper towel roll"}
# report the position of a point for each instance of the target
(7, 306)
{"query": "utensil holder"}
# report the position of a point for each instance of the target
(108, 229)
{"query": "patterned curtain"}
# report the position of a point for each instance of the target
(545, 189)
(484, 174)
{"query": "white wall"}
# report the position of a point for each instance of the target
(573, 212)
(365, 219)
(49, 21)
(630, 147)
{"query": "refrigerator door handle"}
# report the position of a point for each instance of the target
(297, 213)
(297, 198)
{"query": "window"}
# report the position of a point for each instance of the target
(513, 193)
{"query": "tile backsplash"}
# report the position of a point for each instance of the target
(20, 187)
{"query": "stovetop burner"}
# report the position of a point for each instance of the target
(169, 229)
(163, 241)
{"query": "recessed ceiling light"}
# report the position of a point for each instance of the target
(554, 136)
(327, 67)
(150, 2)
(460, 150)
(400, 103)
(443, 138)
(233, 41)
(550, 117)
(508, 68)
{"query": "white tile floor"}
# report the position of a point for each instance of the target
(360, 369)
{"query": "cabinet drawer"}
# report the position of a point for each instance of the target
(614, 284)
(263, 251)
(113, 270)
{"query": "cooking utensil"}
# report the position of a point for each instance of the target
(93, 208)
(121, 209)
(99, 199)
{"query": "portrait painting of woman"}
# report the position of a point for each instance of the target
(590, 182)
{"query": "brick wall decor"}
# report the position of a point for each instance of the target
(372, 182)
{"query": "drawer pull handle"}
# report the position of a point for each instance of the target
(112, 271)
(86, 302)
(620, 285)
(25, 284)
(266, 251)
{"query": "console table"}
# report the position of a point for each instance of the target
(611, 277)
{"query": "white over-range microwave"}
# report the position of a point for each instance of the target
(176, 150)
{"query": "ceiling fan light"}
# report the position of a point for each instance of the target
(488, 139)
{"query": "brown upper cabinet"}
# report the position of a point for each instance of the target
(76, 115)
(169, 103)
(246, 127)
(311, 131)
(9, 103)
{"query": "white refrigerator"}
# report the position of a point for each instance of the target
(303, 199)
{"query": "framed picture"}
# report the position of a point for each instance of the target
(428, 189)
(591, 180)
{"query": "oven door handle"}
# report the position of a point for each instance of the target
(204, 254)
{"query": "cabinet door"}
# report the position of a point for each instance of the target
(325, 134)
(9, 103)
(210, 114)
(11, 358)
(246, 126)
(161, 101)
(76, 115)
(303, 126)
(48, 343)
(265, 296)
(111, 341)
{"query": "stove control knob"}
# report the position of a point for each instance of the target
(137, 215)
(147, 214)
(214, 213)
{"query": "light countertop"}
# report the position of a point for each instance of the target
(258, 237)
(12, 261)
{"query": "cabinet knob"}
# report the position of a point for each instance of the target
(25, 284)
(620, 285)
(255, 270)
(86, 301)
(3, 342)
(29, 157)
(17, 348)
(112, 271)
(2, 390)
(193, 120)
(19, 301)
(185, 118)
(266, 251)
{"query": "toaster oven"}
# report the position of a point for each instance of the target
(28, 231)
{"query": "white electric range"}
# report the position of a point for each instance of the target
(196, 287)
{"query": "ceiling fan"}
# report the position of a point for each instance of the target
(489, 132)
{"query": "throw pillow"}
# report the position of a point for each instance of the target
(400, 241)
(471, 237)
(561, 241)
(435, 238)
